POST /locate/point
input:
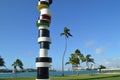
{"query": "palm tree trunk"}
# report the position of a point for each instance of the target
(87, 64)
(64, 56)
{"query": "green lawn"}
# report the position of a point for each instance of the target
(80, 77)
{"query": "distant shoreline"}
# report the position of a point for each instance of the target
(11, 71)
(111, 73)
(19, 71)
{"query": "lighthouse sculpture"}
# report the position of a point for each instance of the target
(43, 23)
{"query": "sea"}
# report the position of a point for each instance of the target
(54, 73)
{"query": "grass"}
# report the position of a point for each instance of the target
(74, 77)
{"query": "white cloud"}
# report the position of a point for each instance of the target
(90, 43)
(110, 63)
(99, 51)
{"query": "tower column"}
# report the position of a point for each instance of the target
(43, 23)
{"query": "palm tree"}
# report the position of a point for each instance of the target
(67, 34)
(17, 63)
(2, 63)
(100, 68)
(81, 58)
(74, 61)
(80, 55)
(88, 60)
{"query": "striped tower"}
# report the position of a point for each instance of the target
(43, 61)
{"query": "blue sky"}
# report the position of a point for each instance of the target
(94, 25)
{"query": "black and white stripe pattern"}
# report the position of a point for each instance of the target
(43, 61)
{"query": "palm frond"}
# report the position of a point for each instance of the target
(66, 29)
(21, 67)
(66, 35)
(69, 34)
(77, 51)
(67, 63)
(88, 56)
(62, 34)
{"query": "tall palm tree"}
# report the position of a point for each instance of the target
(2, 63)
(88, 60)
(17, 63)
(67, 34)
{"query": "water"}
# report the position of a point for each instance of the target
(56, 73)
